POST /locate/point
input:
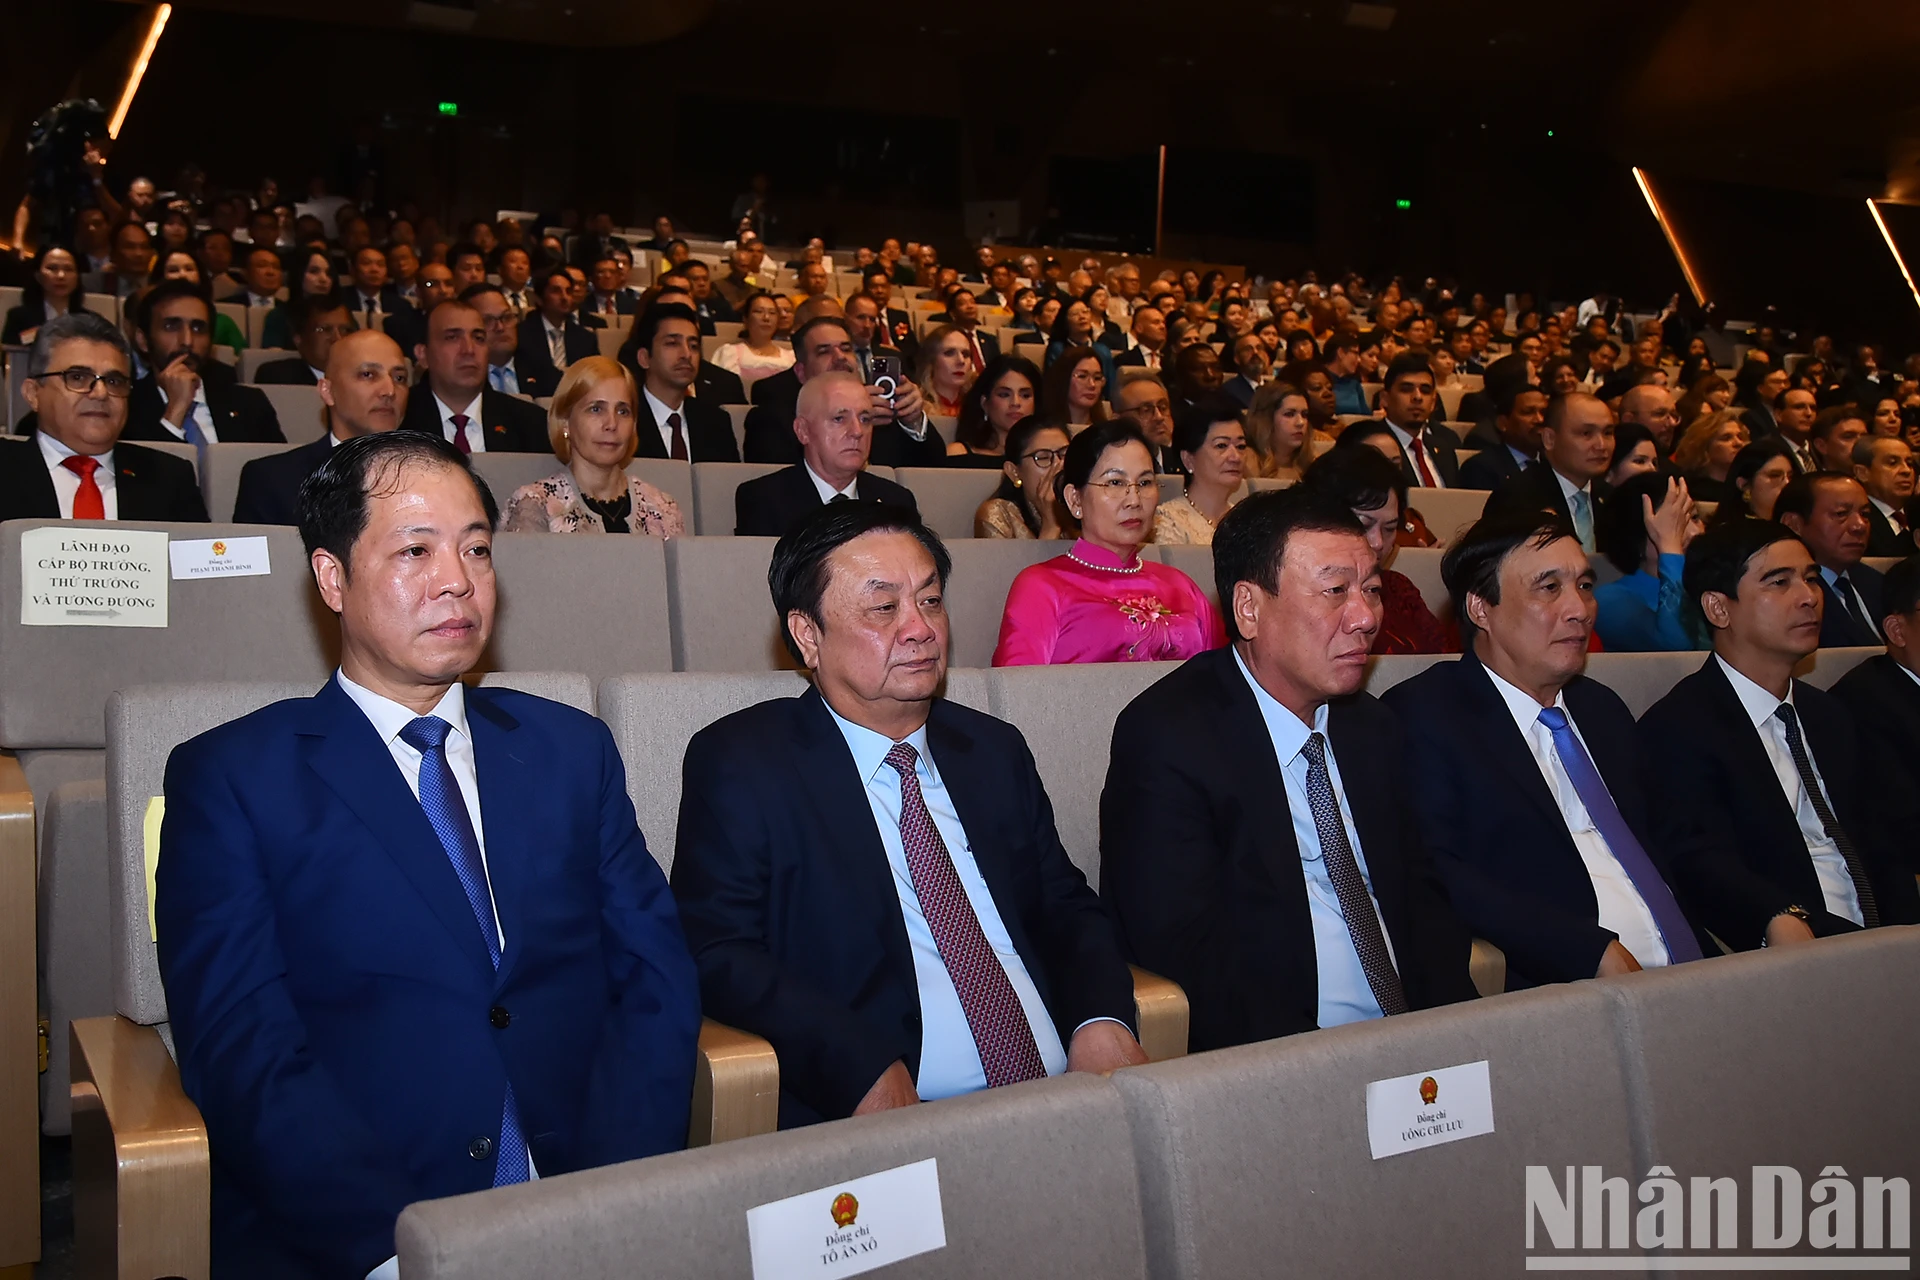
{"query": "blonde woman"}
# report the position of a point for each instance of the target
(1281, 440)
(591, 425)
(945, 371)
(1706, 452)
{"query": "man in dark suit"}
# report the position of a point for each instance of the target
(1250, 363)
(1760, 789)
(75, 467)
(876, 284)
(369, 295)
(318, 322)
(365, 391)
(963, 313)
(833, 427)
(869, 874)
(456, 403)
(1257, 842)
(903, 436)
(1531, 788)
(1884, 691)
(670, 422)
(552, 338)
(487, 984)
(708, 303)
(188, 395)
(1149, 339)
(1520, 412)
(1884, 467)
(1576, 446)
(609, 295)
(1430, 452)
(711, 383)
(1829, 513)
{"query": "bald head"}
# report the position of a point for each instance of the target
(820, 305)
(1652, 407)
(365, 389)
(833, 420)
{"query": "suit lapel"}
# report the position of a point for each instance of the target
(1372, 810)
(27, 476)
(649, 430)
(1241, 722)
(1747, 759)
(1492, 724)
(501, 767)
(350, 758)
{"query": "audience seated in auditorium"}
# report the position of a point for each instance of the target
(52, 290)
(1531, 789)
(364, 388)
(132, 261)
(187, 395)
(455, 402)
(1281, 441)
(1645, 528)
(1778, 830)
(609, 296)
(671, 421)
(179, 264)
(1512, 443)
(317, 323)
(370, 296)
(1634, 454)
(1211, 438)
(833, 425)
(1794, 416)
(78, 388)
(503, 336)
(1006, 391)
(282, 987)
(1706, 453)
(1576, 448)
(1027, 503)
(1283, 885)
(901, 434)
(838, 903)
(1251, 369)
(1884, 691)
(1759, 472)
(1370, 484)
(1145, 400)
(1103, 601)
(754, 354)
(1884, 467)
(1074, 389)
(1146, 342)
(552, 337)
(1408, 400)
(315, 279)
(944, 370)
(262, 276)
(594, 429)
(1835, 432)
(1829, 514)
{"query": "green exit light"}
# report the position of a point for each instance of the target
(1403, 204)
(449, 108)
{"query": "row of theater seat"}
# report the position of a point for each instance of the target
(1215, 1166)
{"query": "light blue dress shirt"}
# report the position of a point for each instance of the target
(949, 1059)
(1344, 994)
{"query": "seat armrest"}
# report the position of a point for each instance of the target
(19, 1023)
(1488, 967)
(1160, 1009)
(736, 1086)
(141, 1178)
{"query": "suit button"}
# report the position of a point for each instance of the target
(499, 1017)
(481, 1147)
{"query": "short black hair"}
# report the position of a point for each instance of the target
(164, 292)
(1718, 558)
(1621, 529)
(474, 292)
(1471, 565)
(1084, 450)
(1358, 479)
(1627, 437)
(1407, 365)
(799, 338)
(1251, 539)
(546, 278)
(647, 327)
(1802, 492)
(1191, 426)
(797, 575)
(333, 500)
(303, 308)
(462, 249)
(1507, 393)
(1900, 589)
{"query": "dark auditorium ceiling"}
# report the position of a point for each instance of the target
(1780, 92)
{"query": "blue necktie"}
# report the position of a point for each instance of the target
(1593, 793)
(1581, 507)
(499, 372)
(447, 814)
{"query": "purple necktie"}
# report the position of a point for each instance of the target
(994, 1013)
(1587, 784)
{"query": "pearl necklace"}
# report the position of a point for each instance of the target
(1104, 568)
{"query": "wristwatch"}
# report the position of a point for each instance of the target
(1795, 910)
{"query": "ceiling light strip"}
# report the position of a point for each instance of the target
(1673, 241)
(159, 23)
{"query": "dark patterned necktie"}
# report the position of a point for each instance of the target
(1803, 765)
(1356, 904)
(678, 451)
(994, 1014)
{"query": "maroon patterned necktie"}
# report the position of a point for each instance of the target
(678, 449)
(460, 442)
(994, 1014)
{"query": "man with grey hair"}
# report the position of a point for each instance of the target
(75, 468)
(834, 423)
(1884, 467)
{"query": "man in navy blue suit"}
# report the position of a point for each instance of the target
(1532, 790)
(1829, 513)
(869, 874)
(412, 939)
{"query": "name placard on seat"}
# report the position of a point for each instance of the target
(849, 1227)
(1428, 1108)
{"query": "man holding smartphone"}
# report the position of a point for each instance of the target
(903, 436)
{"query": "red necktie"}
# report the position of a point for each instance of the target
(679, 451)
(999, 1024)
(1420, 465)
(459, 421)
(979, 356)
(87, 503)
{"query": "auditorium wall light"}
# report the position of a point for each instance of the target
(158, 24)
(1873, 208)
(1673, 241)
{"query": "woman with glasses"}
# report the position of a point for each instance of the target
(1027, 503)
(1073, 392)
(1006, 391)
(1103, 601)
(1212, 440)
(52, 291)
(1078, 328)
(754, 354)
(179, 264)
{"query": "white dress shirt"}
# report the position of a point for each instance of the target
(660, 412)
(1345, 995)
(262, 300)
(476, 436)
(1829, 864)
(949, 1058)
(66, 484)
(1433, 464)
(201, 414)
(826, 491)
(1622, 909)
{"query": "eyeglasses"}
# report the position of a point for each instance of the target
(1044, 457)
(1090, 379)
(79, 379)
(1117, 487)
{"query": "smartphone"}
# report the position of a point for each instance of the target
(886, 374)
